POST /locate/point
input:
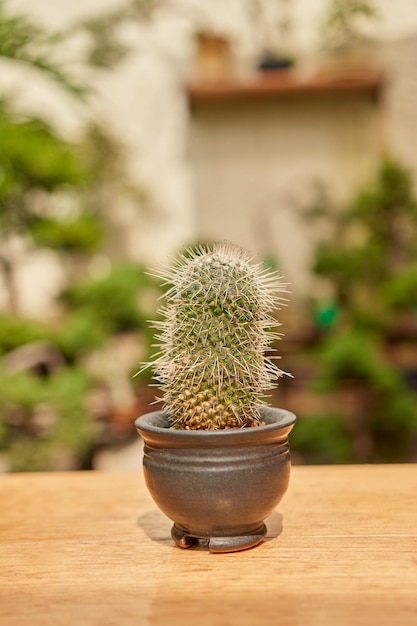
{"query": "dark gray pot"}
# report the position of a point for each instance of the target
(217, 485)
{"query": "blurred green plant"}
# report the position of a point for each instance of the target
(79, 234)
(44, 421)
(61, 196)
(323, 439)
(346, 22)
(28, 43)
(36, 166)
(54, 194)
(101, 307)
(115, 299)
(106, 47)
(369, 263)
(371, 258)
(16, 331)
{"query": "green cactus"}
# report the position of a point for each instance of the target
(217, 325)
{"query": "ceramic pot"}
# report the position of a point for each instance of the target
(220, 485)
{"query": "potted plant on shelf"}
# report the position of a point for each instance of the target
(273, 31)
(216, 458)
(349, 48)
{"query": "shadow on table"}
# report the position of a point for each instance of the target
(158, 528)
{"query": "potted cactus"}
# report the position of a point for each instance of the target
(216, 458)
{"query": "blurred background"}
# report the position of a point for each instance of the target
(132, 128)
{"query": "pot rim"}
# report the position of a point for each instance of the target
(156, 423)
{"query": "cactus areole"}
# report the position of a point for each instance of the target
(217, 325)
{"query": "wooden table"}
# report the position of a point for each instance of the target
(92, 549)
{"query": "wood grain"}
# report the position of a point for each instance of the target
(92, 548)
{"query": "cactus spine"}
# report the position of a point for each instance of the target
(217, 325)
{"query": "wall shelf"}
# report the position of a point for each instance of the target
(281, 84)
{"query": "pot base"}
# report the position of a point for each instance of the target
(220, 544)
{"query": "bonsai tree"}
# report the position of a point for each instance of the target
(371, 257)
(217, 325)
(368, 265)
(53, 192)
(60, 194)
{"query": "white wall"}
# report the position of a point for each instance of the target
(257, 163)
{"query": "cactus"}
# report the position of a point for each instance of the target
(216, 326)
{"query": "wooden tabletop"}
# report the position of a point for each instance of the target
(93, 549)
